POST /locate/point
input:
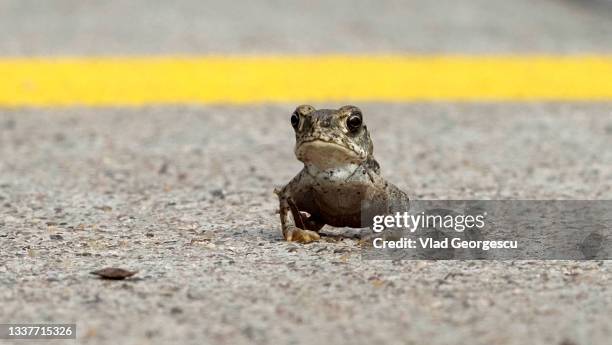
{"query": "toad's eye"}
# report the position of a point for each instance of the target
(295, 120)
(353, 123)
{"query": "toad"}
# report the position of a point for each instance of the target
(340, 175)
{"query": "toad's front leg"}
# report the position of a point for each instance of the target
(295, 226)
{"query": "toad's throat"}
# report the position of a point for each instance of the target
(326, 154)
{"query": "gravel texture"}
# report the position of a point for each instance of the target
(184, 196)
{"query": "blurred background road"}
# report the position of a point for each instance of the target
(69, 27)
(183, 193)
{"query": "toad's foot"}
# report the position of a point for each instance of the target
(296, 234)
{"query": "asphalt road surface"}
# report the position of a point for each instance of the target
(77, 27)
(184, 194)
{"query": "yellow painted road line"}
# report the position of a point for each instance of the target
(163, 80)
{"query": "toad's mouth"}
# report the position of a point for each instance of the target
(325, 154)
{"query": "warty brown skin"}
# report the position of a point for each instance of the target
(339, 174)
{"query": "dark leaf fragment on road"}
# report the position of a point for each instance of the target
(114, 273)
